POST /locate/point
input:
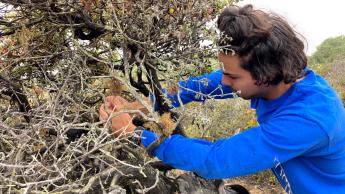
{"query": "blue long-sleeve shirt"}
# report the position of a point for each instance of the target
(301, 137)
(201, 88)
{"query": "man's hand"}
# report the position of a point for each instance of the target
(122, 122)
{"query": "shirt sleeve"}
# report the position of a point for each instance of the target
(253, 150)
(201, 88)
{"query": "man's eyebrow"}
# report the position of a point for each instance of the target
(230, 74)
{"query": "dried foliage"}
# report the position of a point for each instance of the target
(60, 58)
(335, 76)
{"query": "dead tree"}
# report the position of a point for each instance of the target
(66, 56)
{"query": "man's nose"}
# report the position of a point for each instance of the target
(226, 81)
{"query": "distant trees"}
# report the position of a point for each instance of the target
(329, 50)
(329, 61)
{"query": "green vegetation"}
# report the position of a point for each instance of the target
(336, 78)
(329, 50)
(329, 61)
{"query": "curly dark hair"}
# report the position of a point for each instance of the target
(267, 45)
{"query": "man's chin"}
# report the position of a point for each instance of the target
(244, 97)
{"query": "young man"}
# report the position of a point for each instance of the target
(301, 132)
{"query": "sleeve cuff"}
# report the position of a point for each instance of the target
(148, 137)
(171, 97)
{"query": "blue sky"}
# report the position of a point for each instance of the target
(315, 20)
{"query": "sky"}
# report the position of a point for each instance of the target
(315, 20)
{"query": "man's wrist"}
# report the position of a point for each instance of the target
(141, 136)
(147, 138)
(135, 137)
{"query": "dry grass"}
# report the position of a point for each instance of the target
(336, 78)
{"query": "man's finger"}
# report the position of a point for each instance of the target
(117, 102)
(109, 107)
(121, 100)
(116, 99)
(103, 115)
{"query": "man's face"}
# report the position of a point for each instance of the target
(238, 78)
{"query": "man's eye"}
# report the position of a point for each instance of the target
(232, 77)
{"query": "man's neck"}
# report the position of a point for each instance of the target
(275, 91)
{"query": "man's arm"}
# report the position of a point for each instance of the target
(201, 88)
(251, 151)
